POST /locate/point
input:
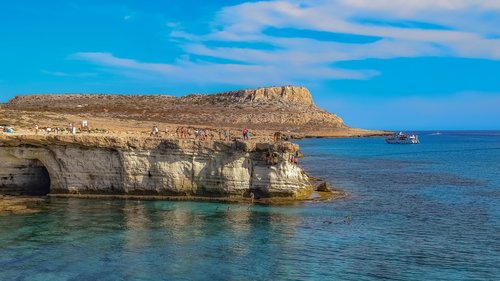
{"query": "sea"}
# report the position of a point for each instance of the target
(413, 212)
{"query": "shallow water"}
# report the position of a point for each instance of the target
(415, 212)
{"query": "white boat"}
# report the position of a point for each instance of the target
(401, 138)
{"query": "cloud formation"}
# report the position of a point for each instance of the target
(65, 74)
(276, 42)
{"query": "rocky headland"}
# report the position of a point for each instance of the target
(89, 164)
(287, 109)
(117, 156)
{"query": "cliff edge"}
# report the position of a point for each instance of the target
(90, 164)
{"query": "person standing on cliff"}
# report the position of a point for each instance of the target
(207, 134)
(154, 132)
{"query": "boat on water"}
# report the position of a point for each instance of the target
(402, 138)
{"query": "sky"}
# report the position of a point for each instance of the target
(378, 64)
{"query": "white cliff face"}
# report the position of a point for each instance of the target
(107, 165)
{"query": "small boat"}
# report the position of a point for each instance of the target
(401, 138)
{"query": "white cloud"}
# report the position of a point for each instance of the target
(463, 22)
(65, 74)
(185, 70)
(405, 28)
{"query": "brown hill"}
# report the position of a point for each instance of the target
(275, 108)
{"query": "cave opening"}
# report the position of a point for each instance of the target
(41, 186)
(24, 177)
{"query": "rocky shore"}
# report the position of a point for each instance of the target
(90, 164)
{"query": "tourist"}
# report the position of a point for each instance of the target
(84, 125)
(36, 129)
(154, 131)
(277, 136)
(245, 133)
(268, 157)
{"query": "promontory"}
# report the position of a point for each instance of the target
(226, 145)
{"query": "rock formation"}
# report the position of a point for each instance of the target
(85, 164)
(117, 157)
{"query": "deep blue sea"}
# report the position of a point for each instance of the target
(415, 212)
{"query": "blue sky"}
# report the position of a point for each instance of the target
(389, 64)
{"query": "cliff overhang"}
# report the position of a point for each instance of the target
(118, 165)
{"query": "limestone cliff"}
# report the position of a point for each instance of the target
(86, 164)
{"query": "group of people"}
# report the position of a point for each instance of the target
(246, 134)
(272, 157)
(6, 129)
(199, 134)
(202, 134)
(155, 132)
(71, 129)
(294, 157)
(183, 133)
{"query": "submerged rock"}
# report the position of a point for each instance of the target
(324, 187)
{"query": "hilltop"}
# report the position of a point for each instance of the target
(285, 108)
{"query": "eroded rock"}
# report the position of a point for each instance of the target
(150, 166)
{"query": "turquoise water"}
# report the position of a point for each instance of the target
(415, 212)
